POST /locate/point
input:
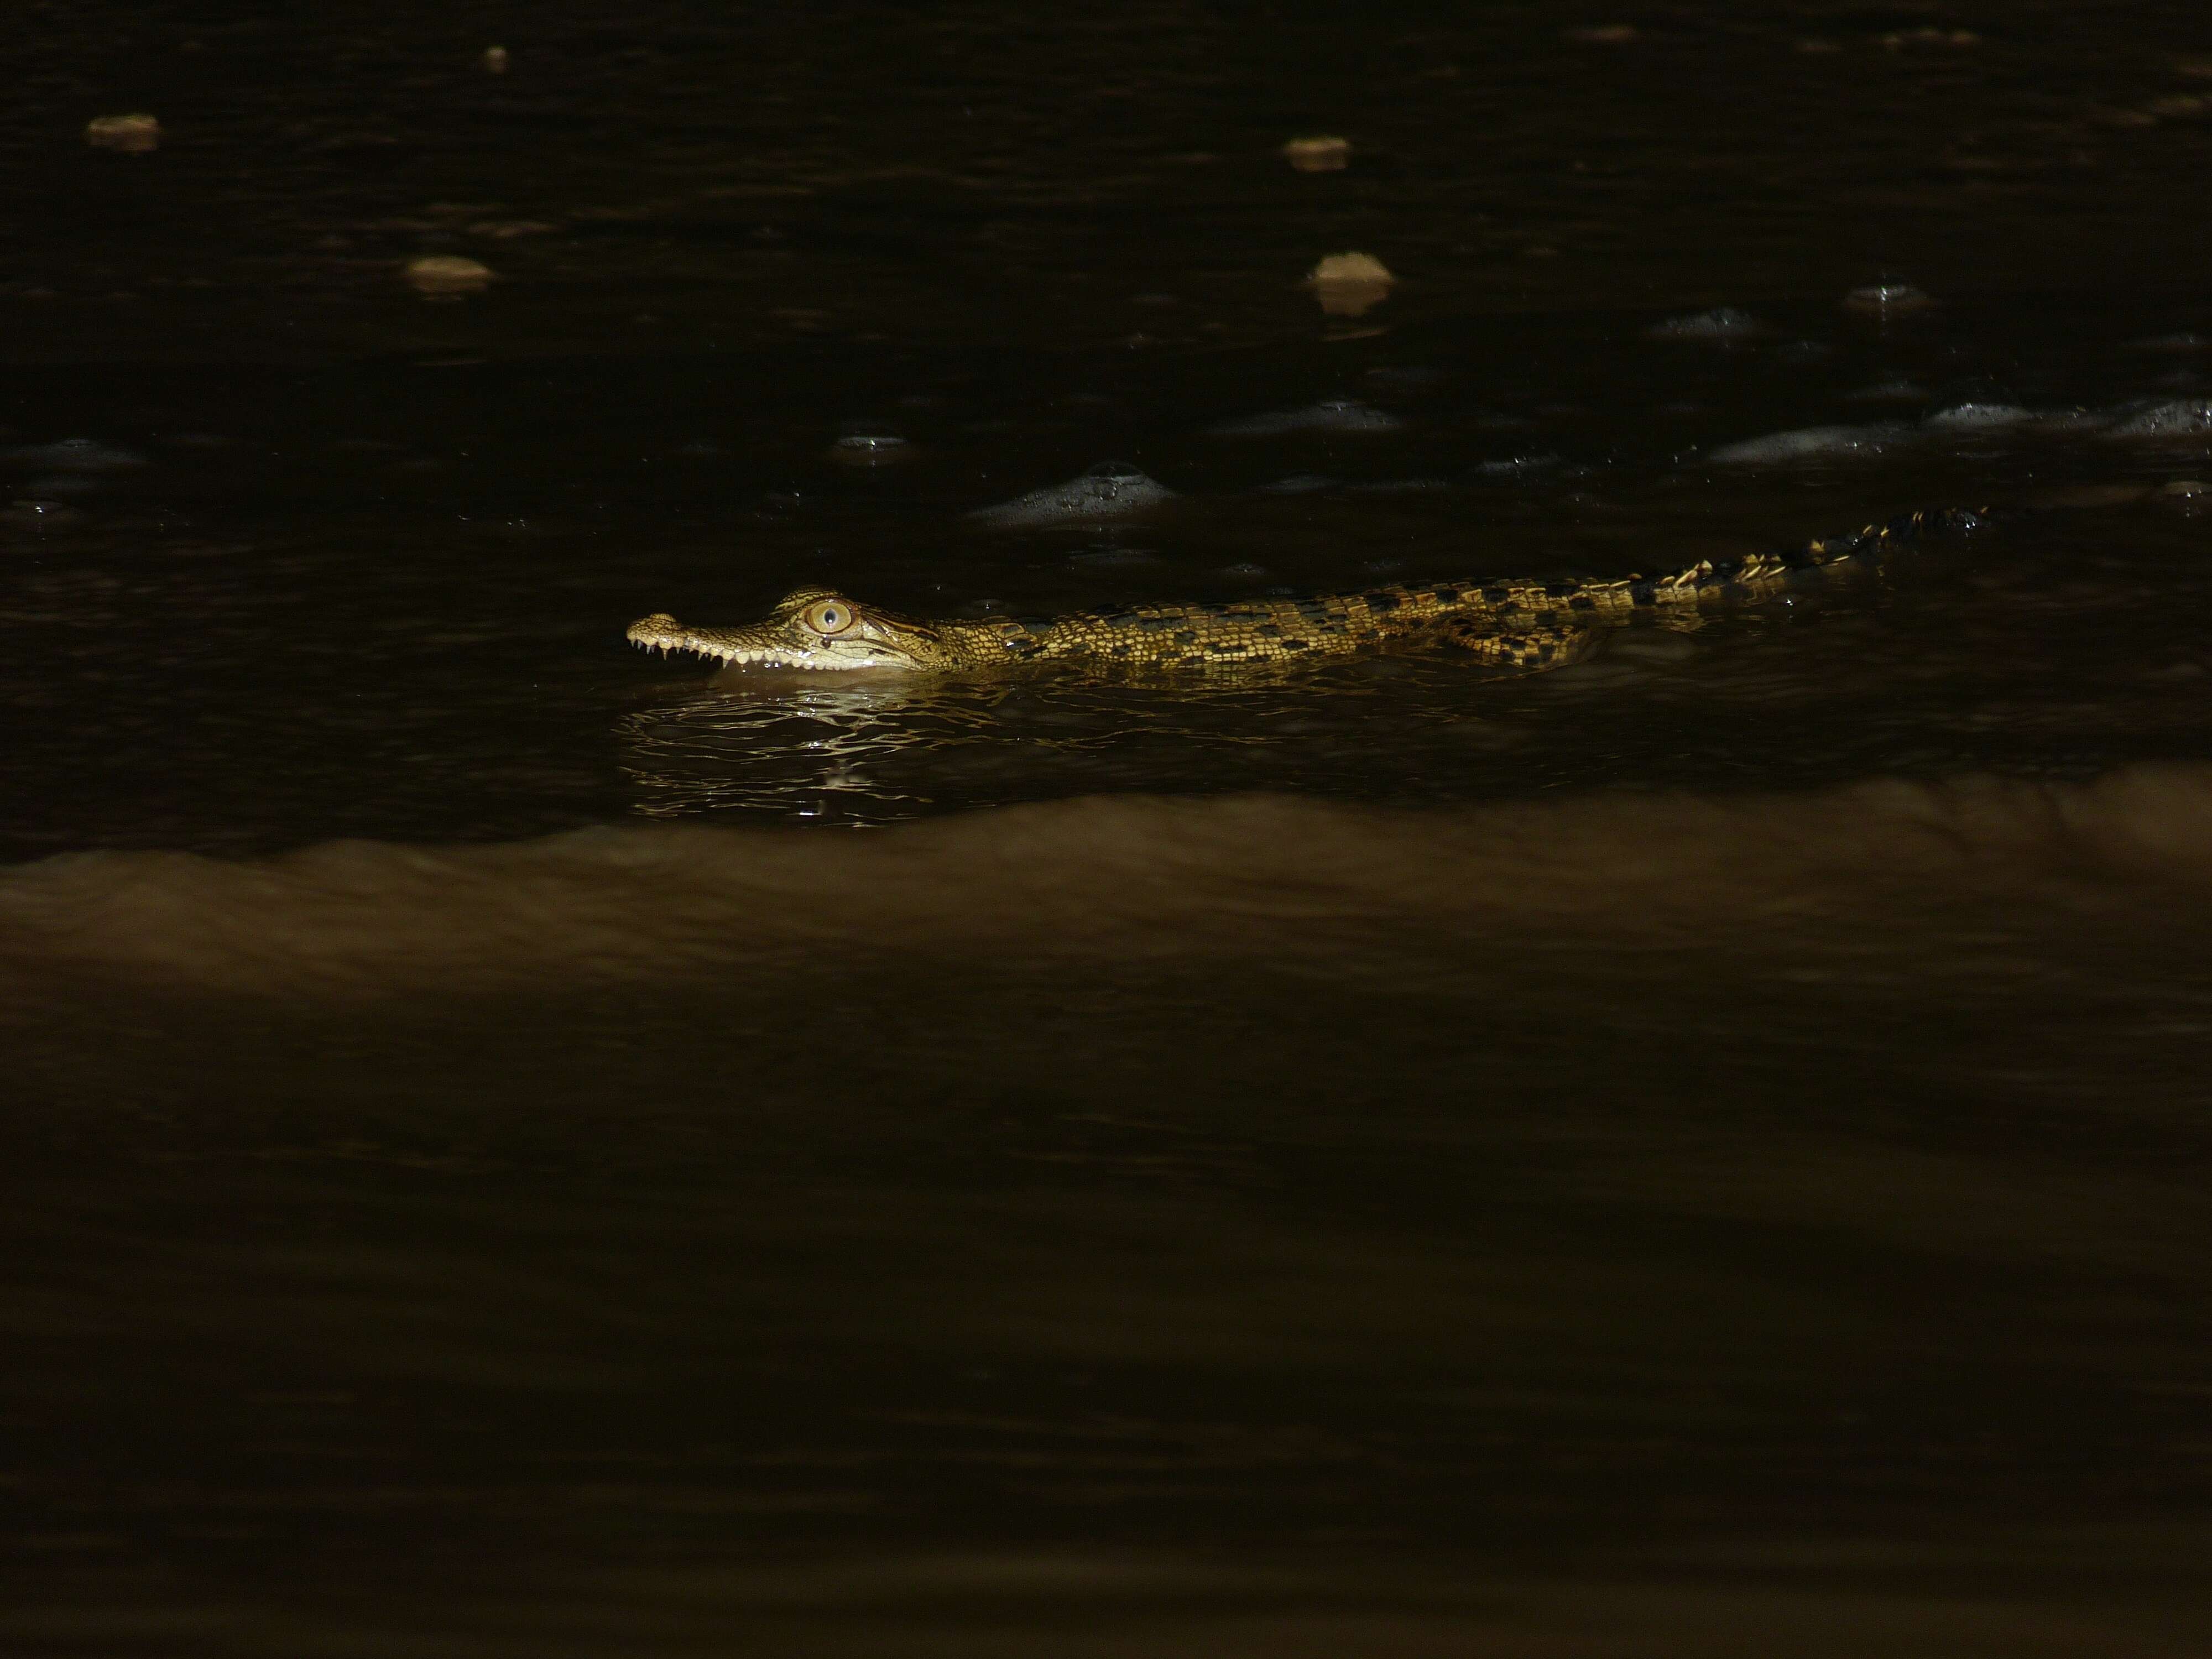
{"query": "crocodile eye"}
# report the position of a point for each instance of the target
(828, 617)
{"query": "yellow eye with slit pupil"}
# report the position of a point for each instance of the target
(829, 616)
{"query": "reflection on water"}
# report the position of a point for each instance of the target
(772, 744)
(894, 747)
(904, 745)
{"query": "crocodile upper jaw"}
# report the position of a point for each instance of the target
(769, 647)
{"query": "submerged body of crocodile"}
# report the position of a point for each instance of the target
(1527, 625)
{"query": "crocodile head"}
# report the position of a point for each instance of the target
(810, 628)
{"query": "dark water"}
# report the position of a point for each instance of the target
(513, 1147)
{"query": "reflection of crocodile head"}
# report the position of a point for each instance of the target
(855, 748)
(810, 628)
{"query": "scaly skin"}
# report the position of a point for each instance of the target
(1526, 625)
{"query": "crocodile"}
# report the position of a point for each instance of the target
(1523, 625)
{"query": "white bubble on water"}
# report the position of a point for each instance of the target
(1111, 491)
(1346, 416)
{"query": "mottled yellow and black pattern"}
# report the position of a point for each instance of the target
(1527, 625)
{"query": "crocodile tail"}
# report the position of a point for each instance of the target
(1757, 574)
(1874, 540)
(1937, 521)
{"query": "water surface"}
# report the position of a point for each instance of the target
(515, 1147)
